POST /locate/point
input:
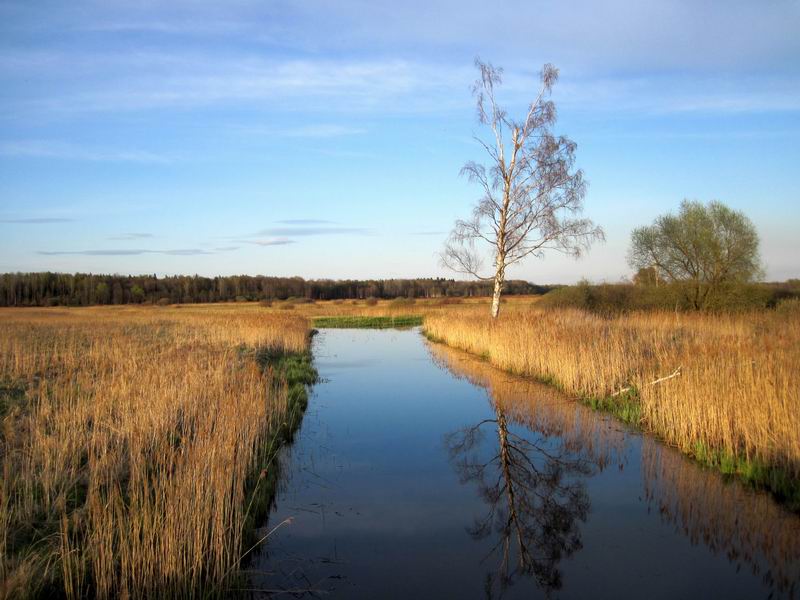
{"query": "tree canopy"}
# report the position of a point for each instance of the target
(703, 246)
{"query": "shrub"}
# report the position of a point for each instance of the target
(265, 303)
(616, 298)
(163, 302)
(371, 301)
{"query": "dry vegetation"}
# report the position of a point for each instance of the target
(132, 444)
(749, 527)
(736, 403)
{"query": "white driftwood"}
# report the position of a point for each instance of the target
(659, 380)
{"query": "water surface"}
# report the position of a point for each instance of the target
(421, 472)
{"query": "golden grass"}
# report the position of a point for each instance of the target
(747, 526)
(736, 402)
(129, 445)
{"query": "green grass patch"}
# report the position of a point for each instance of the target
(367, 322)
(297, 370)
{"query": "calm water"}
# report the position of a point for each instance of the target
(420, 472)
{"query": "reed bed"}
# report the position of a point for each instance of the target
(749, 527)
(132, 443)
(540, 408)
(735, 404)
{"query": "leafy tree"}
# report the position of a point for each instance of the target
(102, 293)
(531, 192)
(137, 293)
(703, 246)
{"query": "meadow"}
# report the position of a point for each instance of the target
(137, 445)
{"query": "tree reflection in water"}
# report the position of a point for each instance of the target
(529, 464)
(534, 484)
(534, 502)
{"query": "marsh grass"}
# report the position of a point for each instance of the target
(138, 445)
(368, 322)
(735, 406)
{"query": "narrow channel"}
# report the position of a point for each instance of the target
(422, 472)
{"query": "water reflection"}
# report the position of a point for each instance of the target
(529, 464)
(726, 517)
(534, 504)
(535, 484)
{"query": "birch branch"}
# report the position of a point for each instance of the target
(676, 373)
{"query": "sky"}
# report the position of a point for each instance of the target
(325, 139)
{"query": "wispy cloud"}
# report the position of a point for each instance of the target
(306, 222)
(270, 242)
(324, 131)
(56, 149)
(131, 236)
(308, 231)
(428, 232)
(185, 81)
(36, 220)
(125, 252)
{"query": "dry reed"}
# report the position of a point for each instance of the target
(736, 403)
(129, 445)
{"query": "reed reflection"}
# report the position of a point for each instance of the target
(728, 518)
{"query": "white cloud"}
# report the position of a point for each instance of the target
(68, 151)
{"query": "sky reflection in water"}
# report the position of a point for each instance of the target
(422, 472)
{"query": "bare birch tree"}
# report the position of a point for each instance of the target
(532, 195)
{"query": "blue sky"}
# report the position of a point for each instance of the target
(325, 139)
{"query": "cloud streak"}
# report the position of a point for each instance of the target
(131, 236)
(37, 220)
(272, 242)
(125, 252)
(306, 222)
(311, 231)
(56, 149)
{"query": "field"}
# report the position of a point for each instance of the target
(137, 442)
(136, 445)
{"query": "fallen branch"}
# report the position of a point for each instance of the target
(659, 380)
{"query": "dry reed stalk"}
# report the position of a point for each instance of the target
(739, 390)
(128, 449)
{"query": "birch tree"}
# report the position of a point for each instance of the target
(531, 193)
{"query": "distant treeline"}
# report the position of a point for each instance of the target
(611, 298)
(80, 289)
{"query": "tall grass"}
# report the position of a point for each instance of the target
(736, 403)
(748, 527)
(132, 443)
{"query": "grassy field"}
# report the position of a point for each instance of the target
(136, 445)
(733, 403)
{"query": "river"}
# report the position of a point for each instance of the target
(422, 472)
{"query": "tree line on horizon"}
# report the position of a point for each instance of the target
(86, 289)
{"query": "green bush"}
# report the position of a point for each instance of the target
(614, 298)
